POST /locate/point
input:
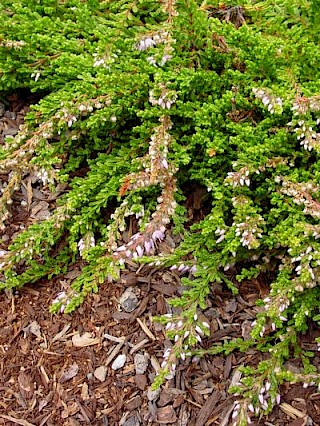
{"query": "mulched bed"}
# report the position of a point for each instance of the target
(96, 366)
(47, 378)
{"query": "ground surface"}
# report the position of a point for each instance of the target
(59, 370)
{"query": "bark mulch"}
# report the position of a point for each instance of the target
(59, 370)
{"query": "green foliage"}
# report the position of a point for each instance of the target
(141, 99)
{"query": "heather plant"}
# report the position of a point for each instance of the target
(141, 100)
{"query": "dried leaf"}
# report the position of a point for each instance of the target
(70, 373)
(40, 211)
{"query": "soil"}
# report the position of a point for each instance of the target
(61, 369)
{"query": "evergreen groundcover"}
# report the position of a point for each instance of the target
(141, 100)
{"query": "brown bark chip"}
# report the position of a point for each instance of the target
(141, 381)
(25, 385)
(166, 415)
(208, 407)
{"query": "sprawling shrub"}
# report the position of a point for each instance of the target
(141, 100)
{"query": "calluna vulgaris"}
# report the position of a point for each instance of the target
(150, 96)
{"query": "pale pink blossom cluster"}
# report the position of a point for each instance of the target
(240, 414)
(163, 36)
(152, 39)
(44, 176)
(245, 409)
(156, 167)
(36, 75)
(183, 269)
(221, 234)
(264, 398)
(169, 363)
(239, 178)
(305, 120)
(104, 60)
(158, 152)
(276, 305)
(145, 243)
(163, 97)
(140, 244)
(3, 257)
(249, 231)
(304, 259)
(308, 137)
(273, 103)
(181, 331)
(15, 44)
(301, 194)
(86, 243)
(161, 62)
(313, 275)
(302, 105)
(64, 299)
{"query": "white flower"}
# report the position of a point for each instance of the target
(35, 76)
(152, 61)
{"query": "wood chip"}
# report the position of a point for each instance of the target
(114, 338)
(166, 415)
(85, 340)
(141, 363)
(141, 381)
(45, 419)
(138, 346)
(129, 301)
(114, 353)
(155, 364)
(25, 385)
(291, 411)
(133, 403)
(145, 329)
(61, 334)
(100, 373)
(44, 374)
(85, 391)
(207, 408)
(29, 193)
(17, 421)
(153, 394)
